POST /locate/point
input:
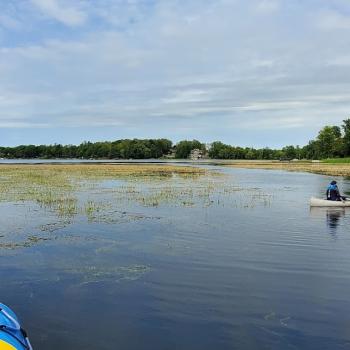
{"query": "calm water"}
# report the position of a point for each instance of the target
(230, 274)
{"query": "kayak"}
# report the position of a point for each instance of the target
(12, 335)
(318, 202)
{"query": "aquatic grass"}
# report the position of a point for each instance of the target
(116, 194)
(99, 211)
(55, 185)
(90, 208)
(66, 207)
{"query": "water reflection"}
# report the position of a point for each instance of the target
(333, 216)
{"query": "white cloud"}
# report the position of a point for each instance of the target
(267, 6)
(332, 20)
(62, 11)
(263, 63)
(9, 22)
(21, 125)
(275, 123)
(187, 96)
(343, 60)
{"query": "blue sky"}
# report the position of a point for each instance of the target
(247, 72)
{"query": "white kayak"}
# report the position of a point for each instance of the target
(318, 202)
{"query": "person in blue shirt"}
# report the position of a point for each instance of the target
(333, 193)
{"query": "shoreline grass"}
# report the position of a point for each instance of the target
(322, 168)
(336, 161)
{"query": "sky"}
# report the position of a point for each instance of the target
(247, 72)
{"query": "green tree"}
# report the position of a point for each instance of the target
(346, 138)
(329, 141)
(289, 152)
(184, 148)
(216, 149)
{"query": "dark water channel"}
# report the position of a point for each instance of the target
(238, 273)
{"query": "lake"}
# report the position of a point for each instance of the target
(229, 259)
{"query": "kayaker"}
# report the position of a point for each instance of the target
(333, 193)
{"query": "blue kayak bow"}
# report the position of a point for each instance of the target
(11, 332)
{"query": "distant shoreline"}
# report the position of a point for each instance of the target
(321, 168)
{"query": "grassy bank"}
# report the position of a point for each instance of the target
(323, 168)
(337, 161)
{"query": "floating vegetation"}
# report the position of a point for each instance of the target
(30, 241)
(54, 226)
(83, 275)
(94, 274)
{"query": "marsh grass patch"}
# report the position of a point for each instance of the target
(114, 194)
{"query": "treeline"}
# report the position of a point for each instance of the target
(121, 149)
(331, 142)
(144, 149)
(219, 150)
